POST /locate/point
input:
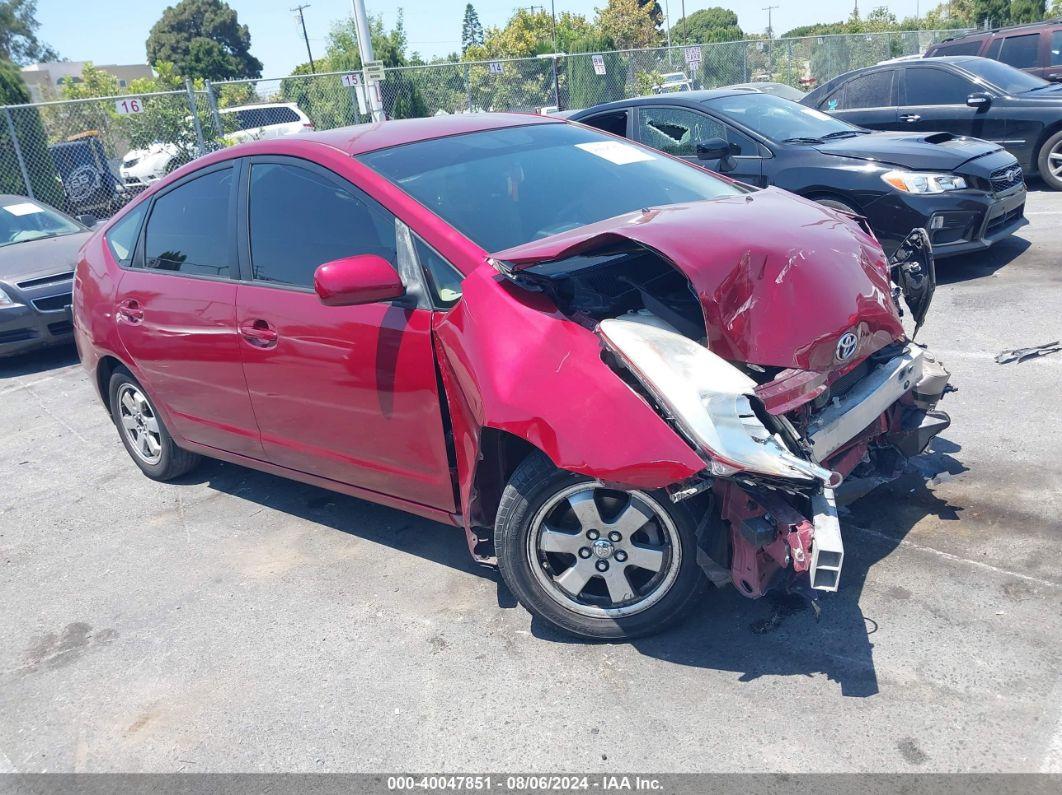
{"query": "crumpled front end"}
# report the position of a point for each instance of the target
(784, 366)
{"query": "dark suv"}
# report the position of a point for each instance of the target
(1035, 47)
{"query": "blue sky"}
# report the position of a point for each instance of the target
(114, 31)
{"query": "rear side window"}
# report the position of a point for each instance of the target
(301, 218)
(614, 122)
(1056, 48)
(189, 228)
(121, 238)
(869, 91)
(958, 48)
(253, 118)
(936, 87)
(1021, 52)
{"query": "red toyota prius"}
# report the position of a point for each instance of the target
(623, 376)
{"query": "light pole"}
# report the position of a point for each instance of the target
(361, 21)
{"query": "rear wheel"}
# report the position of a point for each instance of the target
(1049, 162)
(595, 561)
(143, 432)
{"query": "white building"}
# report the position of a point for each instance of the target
(45, 79)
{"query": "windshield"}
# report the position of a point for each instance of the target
(502, 188)
(26, 220)
(779, 119)
(1004, 77)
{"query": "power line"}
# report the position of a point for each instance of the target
(302, 23)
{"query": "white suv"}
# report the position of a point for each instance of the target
(141, 167)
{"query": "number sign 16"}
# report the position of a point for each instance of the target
(129, 105)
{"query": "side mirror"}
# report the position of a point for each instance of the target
(980, 100)
(713, 149)
(364, 279)
(87, 220)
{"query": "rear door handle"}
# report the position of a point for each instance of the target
(259, 333)
(909, 117)
(130, 311)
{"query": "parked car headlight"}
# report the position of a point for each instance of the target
(6, 300)
(708, 398)
(923, 181)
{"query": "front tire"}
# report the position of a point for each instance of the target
(1049, 161)
(597, 562)
(143, 432)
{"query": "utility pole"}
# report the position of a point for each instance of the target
(302, 24)
(770, 27)
(372, 89)
(685, 25)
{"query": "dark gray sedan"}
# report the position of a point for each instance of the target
(38, 251)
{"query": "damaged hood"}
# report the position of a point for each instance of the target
(929, 152)
(780, 279)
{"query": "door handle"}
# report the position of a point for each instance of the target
(259, 333)
(909, 117)
(130, 311)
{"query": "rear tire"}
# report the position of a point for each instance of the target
(143, 432)
(596, 562)
(1049, 161)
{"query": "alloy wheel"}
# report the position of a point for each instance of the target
(1054, 160)
(139, 423)
(603, 552)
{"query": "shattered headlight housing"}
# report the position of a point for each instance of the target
(708, 398)
(923, 181)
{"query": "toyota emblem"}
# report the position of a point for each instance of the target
(846, 346)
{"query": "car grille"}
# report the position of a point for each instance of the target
(53, 302)
(1006, 178)
(43, 280)
(61, 329)
(17, 335)
(1001, 221)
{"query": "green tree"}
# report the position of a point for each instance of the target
(707, 25)
(18, 33)
(993, 12)
(628, 24)
(32, 141)
(471, 29)
(204, 39)
(1027, 10)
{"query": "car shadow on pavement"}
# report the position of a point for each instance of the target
(379, 524)
(38, 361)
(982, 263)
(779, 634)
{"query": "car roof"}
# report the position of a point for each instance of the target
(235, 108)
(692, 98)
(974, 34)
(362, 138)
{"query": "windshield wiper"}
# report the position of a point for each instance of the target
(845, 134)
(801, 140)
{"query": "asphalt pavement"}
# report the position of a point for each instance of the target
(235, 621)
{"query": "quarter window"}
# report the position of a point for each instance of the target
(1056, 48)
(121, 238)
(300, 219)
(677, 131)
(869, 91)
(1021, 52)
(960, 48)
(189, 228)
(444, 278)
(936, 87)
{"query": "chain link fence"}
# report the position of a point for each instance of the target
(91, 156)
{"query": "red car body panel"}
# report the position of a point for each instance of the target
(511, 362)
(348, 393)
(782, 302)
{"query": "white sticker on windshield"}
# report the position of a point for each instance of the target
(616, 152)
(25, 208)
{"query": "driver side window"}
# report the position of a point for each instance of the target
(677, 131)
(936, 87)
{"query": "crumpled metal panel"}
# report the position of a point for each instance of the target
(780, 278)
